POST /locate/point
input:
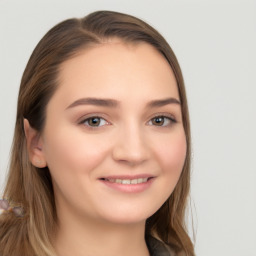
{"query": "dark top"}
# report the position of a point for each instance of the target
(157, 248)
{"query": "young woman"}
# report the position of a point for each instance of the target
(101, 152)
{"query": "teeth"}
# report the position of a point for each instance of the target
(135, 181)
(127, 181)
(140, 180)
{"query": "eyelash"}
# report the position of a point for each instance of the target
(170, 119)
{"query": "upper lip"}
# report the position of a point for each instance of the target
(128, 177)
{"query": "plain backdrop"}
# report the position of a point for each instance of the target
(215, 43)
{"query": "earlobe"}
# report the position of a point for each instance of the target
(34, 145)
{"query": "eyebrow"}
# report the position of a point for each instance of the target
(161, 103)
(114, 103)
(95, 102)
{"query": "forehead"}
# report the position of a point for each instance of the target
(116, 69)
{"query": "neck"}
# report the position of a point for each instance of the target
(80, 236)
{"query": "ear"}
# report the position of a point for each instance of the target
(34, 145)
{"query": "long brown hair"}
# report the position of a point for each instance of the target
(31, 187)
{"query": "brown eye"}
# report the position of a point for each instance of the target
(158, 121)
(95, 121)
(162, 121)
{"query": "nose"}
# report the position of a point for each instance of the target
(131, 146)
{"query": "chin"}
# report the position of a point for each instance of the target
(128, 216)
(126, 220)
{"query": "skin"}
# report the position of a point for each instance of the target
(127, 141)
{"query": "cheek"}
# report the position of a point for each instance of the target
(172, 154)
(73, 153)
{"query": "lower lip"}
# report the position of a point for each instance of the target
(129, 188)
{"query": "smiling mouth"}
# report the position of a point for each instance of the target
(127, 181)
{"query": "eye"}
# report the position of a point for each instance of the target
(162, 121)
(94, 121)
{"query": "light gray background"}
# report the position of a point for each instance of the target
(215, 43)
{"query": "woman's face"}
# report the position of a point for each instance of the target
(113, 139)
